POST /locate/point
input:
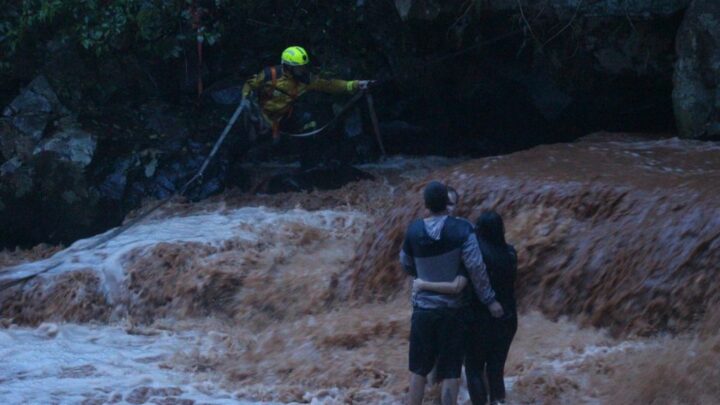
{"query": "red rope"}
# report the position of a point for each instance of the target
(199, 68)
(196, 13)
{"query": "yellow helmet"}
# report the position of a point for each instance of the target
(295, 56)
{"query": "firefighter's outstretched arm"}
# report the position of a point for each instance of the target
(337, 86)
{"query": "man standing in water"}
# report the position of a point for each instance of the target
(435, 249)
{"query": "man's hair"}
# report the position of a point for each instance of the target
(436, 197)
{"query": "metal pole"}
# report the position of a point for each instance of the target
(373, 118)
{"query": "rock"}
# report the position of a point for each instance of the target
(113, 187)
(160, 175)
(158, 118)
(218, 337)
(319, 177)
(47, 199)
(228, 95)
(14, 143)
(10, 166)
(27, 118)
(72, 145)
(48, 330)
(353, 125)
(696, 92)
(36, 105)
(45, 193)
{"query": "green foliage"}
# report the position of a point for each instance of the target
(163, 33)
(160, 27)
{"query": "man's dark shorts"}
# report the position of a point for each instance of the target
(437, 336)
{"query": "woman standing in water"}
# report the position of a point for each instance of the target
(489, 338)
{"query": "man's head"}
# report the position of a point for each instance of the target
(436, 197)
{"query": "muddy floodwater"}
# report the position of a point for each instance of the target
(298, 298)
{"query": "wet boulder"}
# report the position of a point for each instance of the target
(14, 143)
(32, 110)
(696, 93)
(35, 113)
(112, 187)
(44, 193)
(45, 199)
(157, 174)
(72, 145)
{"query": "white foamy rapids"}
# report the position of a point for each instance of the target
(210, 228)
(70, 364)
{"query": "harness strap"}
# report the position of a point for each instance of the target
(271, 74)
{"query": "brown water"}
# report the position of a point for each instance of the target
(303, 301)
(618, 234)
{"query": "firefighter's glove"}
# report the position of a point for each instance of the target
(366, 84)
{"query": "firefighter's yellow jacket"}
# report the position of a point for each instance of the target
(277, 90)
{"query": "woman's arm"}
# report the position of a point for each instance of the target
(453, 287)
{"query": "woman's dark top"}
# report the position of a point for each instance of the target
(501, 264)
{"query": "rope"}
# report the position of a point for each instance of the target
(344, 110)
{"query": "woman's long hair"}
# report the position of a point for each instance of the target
(490, 228)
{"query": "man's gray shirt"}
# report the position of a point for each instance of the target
(439, 249)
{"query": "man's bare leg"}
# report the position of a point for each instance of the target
(417, 389)
(432, 377)
(450, 388)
